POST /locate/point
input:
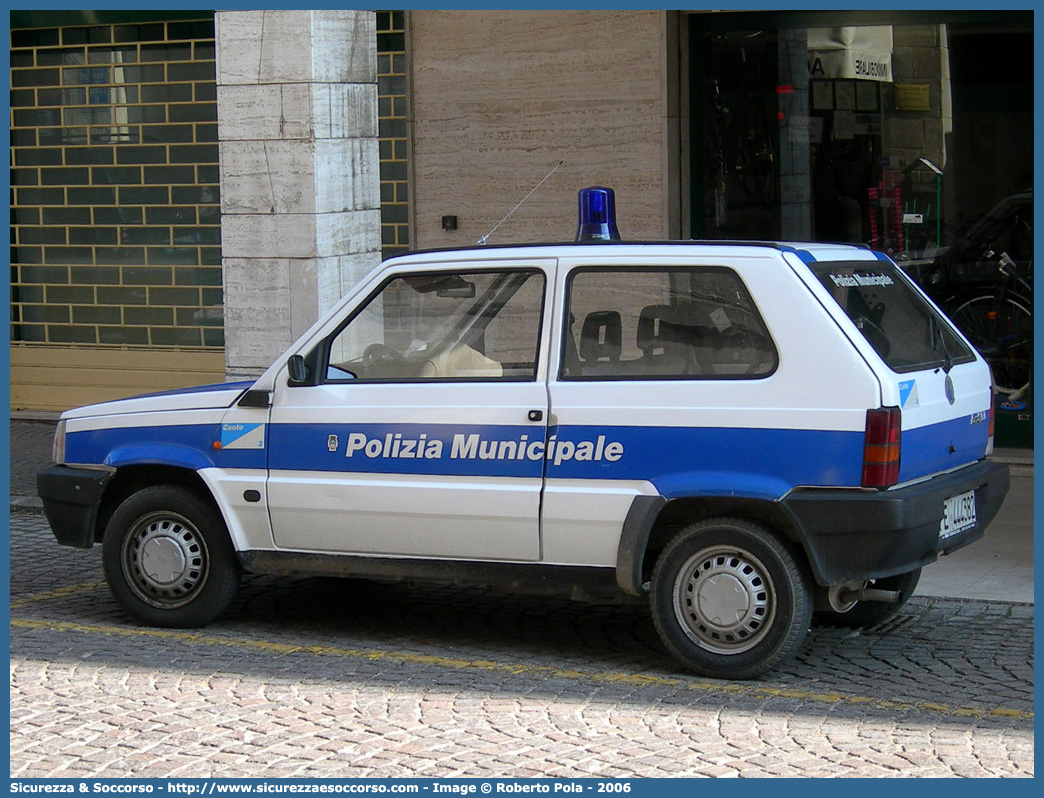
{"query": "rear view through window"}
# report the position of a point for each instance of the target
(907, 332)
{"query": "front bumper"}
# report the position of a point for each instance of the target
(854, 535)
(71, 497)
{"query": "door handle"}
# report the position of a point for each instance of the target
(536, 415)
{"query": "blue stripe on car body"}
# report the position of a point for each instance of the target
(678, 461)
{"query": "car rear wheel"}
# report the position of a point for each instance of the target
(168, 559)
(730, 600)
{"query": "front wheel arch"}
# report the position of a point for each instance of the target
(130, 479)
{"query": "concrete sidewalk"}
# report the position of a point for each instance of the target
(997, 568)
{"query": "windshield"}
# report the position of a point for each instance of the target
(896, 320)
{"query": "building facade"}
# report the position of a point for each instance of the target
(187, 196)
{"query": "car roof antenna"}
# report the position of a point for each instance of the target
(485, 238)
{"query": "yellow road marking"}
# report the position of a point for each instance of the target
(457, 663)
(60, 592)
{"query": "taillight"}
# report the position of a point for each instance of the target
(881, 447)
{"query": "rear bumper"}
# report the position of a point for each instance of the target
(71, 497)
(853, 535)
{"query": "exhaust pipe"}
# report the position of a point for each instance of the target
(841, 598)
(870, 594)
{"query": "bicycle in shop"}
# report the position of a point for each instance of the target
(998, 320)
(984, 282)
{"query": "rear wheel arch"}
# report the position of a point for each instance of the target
(654, 521)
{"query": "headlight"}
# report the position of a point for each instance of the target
(58, 446)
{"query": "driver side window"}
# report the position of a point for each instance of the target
(442, 326)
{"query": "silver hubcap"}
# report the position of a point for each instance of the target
(165, 560)
(724, 599)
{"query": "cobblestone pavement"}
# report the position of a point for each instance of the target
(321, 677)
(30, 451)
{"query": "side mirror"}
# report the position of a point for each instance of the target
(298, 370)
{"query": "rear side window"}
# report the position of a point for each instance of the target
(649, 323)
(896, 320)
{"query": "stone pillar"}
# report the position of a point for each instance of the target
(300, 191)
(795, 159)
(921, 56)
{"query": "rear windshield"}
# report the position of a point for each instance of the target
(896, 320)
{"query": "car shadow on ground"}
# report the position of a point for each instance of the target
(971, 662)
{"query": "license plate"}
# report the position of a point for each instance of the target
(958, 515)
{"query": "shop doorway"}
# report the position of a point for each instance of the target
(902, 131)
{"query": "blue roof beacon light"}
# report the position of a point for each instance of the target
(597, 210)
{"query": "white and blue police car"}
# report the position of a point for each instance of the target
(745, 434)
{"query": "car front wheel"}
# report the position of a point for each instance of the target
(168, 559)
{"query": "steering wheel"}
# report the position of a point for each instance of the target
(381, 354)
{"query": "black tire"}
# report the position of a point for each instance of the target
(1001, 328)
(739, 568)
(870, 613)
(168, 559)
